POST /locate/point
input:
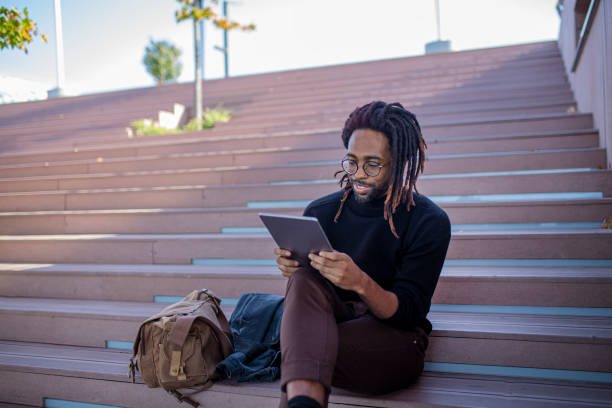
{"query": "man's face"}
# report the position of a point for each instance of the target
(369, 146)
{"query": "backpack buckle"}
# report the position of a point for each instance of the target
(175, 363)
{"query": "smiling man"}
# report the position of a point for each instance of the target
(357, 318)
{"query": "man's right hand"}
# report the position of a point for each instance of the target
(284, 262)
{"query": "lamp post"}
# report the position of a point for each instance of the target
(224, 49)
(59, 52)
(198, 67)
(438, 45)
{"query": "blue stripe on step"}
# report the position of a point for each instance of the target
(555, 263)
(524, 372)
(513, 152)
(58, 403)
(506, 173)
(547, 263)
(167, 299)
(524, 310)
(277, 204)
(446, 156)
(174, 299)
(297, 182)
(233, 262)
(449, 308)
(458, 227)
(517, 197)
(314, 163)
(454, 175)
(244, 230)
(487, 198)
(119, 345)
(527, 225)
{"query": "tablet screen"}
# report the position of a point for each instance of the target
(298, 234)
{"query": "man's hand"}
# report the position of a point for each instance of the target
(340, 270)
(286, 265)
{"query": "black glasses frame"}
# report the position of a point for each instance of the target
(370, 168)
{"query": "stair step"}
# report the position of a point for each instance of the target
(307, 172)
(286, 165)
(98, 376)
(441, 128)
(436, 164)
(578, 343)
(525, 75)
(191, 142)
(547, 88)
(182, 248)
(409, 94)
(295, 185)
(168, 197)
(476, 106)
(214, 220)
(516, 286)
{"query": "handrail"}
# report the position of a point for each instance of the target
(584, 31)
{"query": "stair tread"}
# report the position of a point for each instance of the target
(272, 168)
(432, 387)
(501, 233)
(518, 272)
(230, 209)
(562, 181)
(270, 150)
(192, 138)
(457, 324)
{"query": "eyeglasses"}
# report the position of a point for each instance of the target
(370, 168)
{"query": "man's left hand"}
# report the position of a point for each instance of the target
(339, 269)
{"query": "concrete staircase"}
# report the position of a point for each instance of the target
(97, 230)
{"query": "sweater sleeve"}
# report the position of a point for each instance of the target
(419, 269)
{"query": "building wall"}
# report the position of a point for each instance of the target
(592, 79)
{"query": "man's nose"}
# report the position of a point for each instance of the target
(361, 174)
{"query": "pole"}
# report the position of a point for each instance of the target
(438, 18)
(198, 68)
(202, 41)
(59, 51)
(225, 50)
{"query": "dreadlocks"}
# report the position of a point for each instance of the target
(407, 152)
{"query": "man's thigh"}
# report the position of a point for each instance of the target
(375, 358)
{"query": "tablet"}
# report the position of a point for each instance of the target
(298, 234)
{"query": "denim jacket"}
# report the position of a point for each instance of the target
(255, 325)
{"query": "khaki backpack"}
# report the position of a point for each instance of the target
(182, 345)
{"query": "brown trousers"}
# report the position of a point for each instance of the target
(339, 343)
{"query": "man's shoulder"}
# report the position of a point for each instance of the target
(430, 216)
(326, 202)
(425, 205)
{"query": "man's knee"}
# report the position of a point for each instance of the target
(308, 285)
(305, 279)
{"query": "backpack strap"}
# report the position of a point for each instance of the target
(179, 333)
(220, 315)
(131, 371)
(180, 330)
(176, 339)
(225, 336)
(223, 321)
(187, 397)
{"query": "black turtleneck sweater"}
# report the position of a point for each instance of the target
(409, 266)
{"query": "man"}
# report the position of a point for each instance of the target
(357, 318)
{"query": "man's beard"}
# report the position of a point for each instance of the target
(371, 196)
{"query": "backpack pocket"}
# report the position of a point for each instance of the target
(181, 368)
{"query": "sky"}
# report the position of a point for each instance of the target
(104, 40)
